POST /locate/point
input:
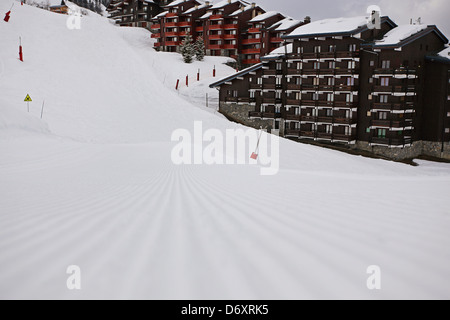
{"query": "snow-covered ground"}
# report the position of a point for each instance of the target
(93, 185)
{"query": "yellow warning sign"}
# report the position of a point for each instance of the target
(28, 98)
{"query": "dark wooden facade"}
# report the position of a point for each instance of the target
(134, 13)
(350, 87)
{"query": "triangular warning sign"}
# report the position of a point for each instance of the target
(28, 98)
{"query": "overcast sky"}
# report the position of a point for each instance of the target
(401, 11)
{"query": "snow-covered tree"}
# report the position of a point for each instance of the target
(187, 49)
(200, 49)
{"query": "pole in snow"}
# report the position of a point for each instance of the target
(178, 83)
(187, 81)
(254, 155)
(20, 50)
(198, 75)
(42, 110)
(8, 14)
(214, 72)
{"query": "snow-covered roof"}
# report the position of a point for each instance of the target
(242, 9)
(329, 26)
(264, 16)
(236, 75)
(162, 14)
(206, 15)
(285, 24)
(177, 2)
(280, 52)
(224, 3)
(397, 35)
(445, 53)
(193, 9)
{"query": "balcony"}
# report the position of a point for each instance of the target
(276, 40)
(399, 71)
(397, 142)
(156, 35)
(215, 36)
(230, 36)
(296, 87)
(239, 100)
(230, 46)
(345, 104)
(293, 102)
(250, 61)
(230, 26)
(216, 17)
(251, 51)
(294, 71)
(215, 46)
(292, 132)
(324, 136)
(251, 41)
(393, 89)
(346, 121)
(343, 137)
(172, 34)
(344, 88)
(325, 119)
(388, 106)
(171, 15)
(307, 134)
(308, 119)
(215, 26)
(171, 24)
(185, 24)
(392, 123)
(345, 71)
(293, 117)
(254, 30)
(199, 29)
(255, 86)
(157, 44)
(155, 26)
(326, 55)
(172, 43)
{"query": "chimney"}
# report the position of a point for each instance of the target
(196, 6)
(229, 1)
(207, 3)
(307, 20)
(242, 8)
(253, 5)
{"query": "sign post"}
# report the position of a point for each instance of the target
(28, 100)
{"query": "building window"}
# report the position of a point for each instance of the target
(351, 65)
(277, 125)
(279, 66)
(278, 95)
(329, 129)
(317, 49)
(385, 64)
(300, 50)
(330, 97)
(370, 80)
(298, 96)
(384, 82)
(317, 65)
(384, 98)
(352, 48)
(329, 112)
(259, 81)
(235, 94)
(332, 65)
(382, 115)
(316, 81)
(278, 81)
(277, 109)
(300, 65)
(315, 96)
(332, 48)
(368, 130)
(349, 97)
(447, 130)
(448, 114)
(372, 63)
(382, 133)
(331, 81)
(252, 94)
(314, 127)
(297, 111)
(315, 112)
(298, 81)
(351, 81)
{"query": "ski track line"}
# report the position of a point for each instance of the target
(400, 253)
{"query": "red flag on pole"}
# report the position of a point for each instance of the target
(20, 50)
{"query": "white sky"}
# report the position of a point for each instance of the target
(401, 11)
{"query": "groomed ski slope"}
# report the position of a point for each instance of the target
(93, 185)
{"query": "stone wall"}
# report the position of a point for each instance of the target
(418, 148)
(239, 113)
